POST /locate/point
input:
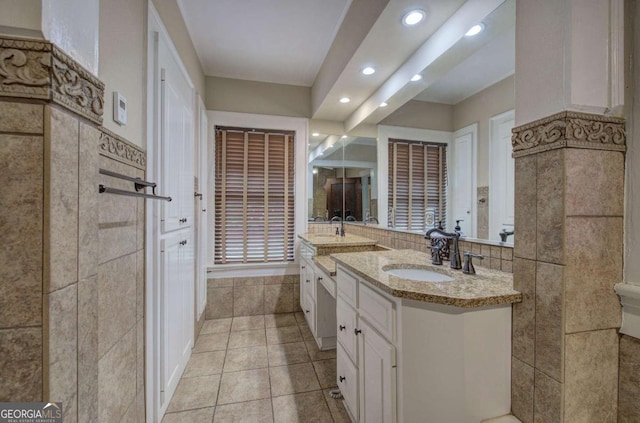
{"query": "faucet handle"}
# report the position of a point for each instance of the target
(467, 267)
(435, 254)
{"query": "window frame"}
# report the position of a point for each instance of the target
(301, 128)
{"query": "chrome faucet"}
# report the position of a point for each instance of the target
(504, 234)
(454, 256)
(340, 231)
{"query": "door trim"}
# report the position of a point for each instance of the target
(494, 123)
(473, 131)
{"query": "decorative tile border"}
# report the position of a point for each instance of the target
(569, 129)
(40, 70)
(118, 148)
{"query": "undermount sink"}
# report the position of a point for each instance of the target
(422, 275)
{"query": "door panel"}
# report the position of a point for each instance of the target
(501, 191)
(462, 186)
(377, 377)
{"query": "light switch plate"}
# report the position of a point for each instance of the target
(119, 108)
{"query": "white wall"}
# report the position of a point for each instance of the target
(73, 25)
(21, 18)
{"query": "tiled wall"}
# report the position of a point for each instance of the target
(248, 296)
(629, 380)
(496, 257)
(568, 256)
(72, 275)
(483, 212)
(21, 261)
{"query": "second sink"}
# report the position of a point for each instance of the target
(422, 275)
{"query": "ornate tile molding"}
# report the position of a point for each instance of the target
(40, 70)
(569, 129)
(117, 148)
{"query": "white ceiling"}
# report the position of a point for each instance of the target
(287, 41)
(280, 41)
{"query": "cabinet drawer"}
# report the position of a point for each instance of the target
(348, 287)
(378, 311)
(309, 311)
(346, 324)
(326, 281)
(347, 379)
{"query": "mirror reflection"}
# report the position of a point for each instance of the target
(443, 155)
(343, 179)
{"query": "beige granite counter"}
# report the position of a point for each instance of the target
(326, 244)
(485, 288)
(326, 264)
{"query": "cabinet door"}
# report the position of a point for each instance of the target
(309, 310)
(176, 148)
(347, 380)
(176, 309)
(377, 368)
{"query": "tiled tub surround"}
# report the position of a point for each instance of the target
(72, 275)
(485, 288)
(498, 256)
(252, 296)
(569, 175)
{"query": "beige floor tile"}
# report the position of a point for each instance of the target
(300, 317)
(316, 353)
(301, 408)
(216, 326)
(211, 342)
(245, 412)
(247, 323)
(201, 415)
(195, 392)
(306, 333)
(244, 386)
(283, 335)
(247, 338)
(246, 359)
(204, 364)
(336, 406)
(293, 379)
(281, 354)
(326, 372)
(280, 320)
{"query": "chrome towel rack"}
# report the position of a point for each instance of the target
(138, 184)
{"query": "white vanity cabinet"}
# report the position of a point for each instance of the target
(401, 360)
(317, 299)
(366, 355)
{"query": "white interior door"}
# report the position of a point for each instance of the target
(201, 211)
(463, 181)
(501, 185)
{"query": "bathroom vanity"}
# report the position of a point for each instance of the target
(318, 281)
(434, 350)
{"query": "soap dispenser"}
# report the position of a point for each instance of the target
(458, 229)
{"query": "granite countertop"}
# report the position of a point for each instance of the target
(331, 240)
(485, 288)
(326, 264)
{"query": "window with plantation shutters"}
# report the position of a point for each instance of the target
(254, 196)
(417, 182)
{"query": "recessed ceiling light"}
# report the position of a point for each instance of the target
(413, 17)
(474, 30)
(368, 71)
(345, 100)
(383, 104)
(321, 154)
(315, 134)
(343, 137)
(416, 77)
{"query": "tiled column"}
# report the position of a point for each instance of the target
(568, 256)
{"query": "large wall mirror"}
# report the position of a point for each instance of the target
(462, 114)
(342, 178)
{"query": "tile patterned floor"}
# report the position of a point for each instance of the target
(257, 369)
